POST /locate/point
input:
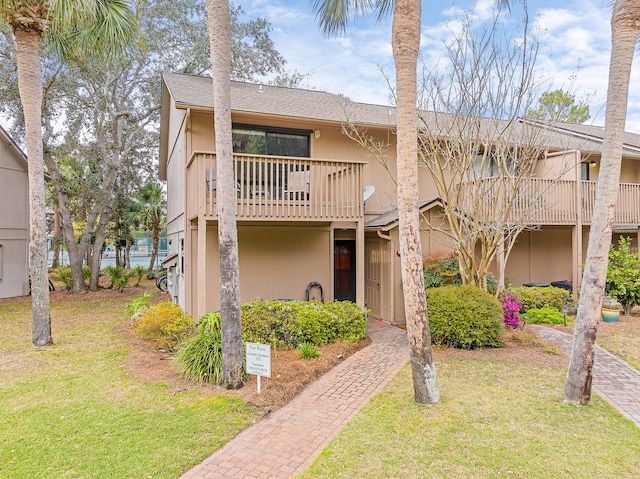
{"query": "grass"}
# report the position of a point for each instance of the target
(496, 419)
(71, 411)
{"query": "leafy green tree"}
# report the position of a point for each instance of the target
(87, 26)
(623, 275)
(150, 214)
(558, 105)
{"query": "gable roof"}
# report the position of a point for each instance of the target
(389, 220)
(13, 146)
(188, 91)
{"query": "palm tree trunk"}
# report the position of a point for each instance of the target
(154, 247)
(220, 40)
(30, 86)
(406, 43)
(625, 25)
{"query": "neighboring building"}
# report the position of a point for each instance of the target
(303, 219)
(14, 219)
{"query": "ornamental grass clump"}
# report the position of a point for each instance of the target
(307, 350)
(464, 317)
(199, 358)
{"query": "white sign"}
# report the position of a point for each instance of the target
(259, 359)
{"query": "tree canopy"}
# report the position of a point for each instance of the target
(560, 106)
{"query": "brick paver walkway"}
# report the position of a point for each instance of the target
(286, 442)
(613, 379)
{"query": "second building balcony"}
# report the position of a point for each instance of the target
(272, 188)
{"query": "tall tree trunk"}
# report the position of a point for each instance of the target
(406, 44)
(116, 251)
(154, 247)
(625, 25)
(30, 86)
(96, 258)
(127, 253)
(57, 236)
(220, 41)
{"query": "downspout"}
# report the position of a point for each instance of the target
(577, 270)
(392, 303)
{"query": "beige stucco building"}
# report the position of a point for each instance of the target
(301, 210)
(14, 219)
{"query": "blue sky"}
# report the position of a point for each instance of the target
(574, 47)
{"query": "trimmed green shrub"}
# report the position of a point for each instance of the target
(549, 297)
(464, 317)
(166, 325)
(545, 315)
(308, 351)
(200, 357)
(285, 324)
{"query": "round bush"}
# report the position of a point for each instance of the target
(165, 324)
(464, 317)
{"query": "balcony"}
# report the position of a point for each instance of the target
(559, 202)
(270, 188)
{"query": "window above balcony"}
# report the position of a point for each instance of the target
(262, 140)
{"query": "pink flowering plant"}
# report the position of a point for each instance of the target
(510, 309)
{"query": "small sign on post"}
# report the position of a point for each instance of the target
(259, 360)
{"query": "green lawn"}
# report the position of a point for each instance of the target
(496, 419)
(71, 411)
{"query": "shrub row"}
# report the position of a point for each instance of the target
(549, 297)
(285, 324)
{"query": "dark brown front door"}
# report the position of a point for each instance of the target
(345, 270)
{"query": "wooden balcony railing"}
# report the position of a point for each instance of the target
(556, 202)
(280, 188)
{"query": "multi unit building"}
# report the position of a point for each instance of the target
(315, 210)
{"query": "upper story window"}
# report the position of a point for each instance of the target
(486, 166)
(584, 171)
(261, 140)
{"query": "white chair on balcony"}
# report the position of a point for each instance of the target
(298, 185)
(211, 181)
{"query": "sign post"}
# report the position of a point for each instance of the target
(258, 360)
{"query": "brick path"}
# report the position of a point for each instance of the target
(286, 442)
(613, 379)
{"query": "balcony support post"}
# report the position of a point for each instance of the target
(576, 234)
(201, 306)
(360, 277)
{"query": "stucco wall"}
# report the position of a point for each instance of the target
(14, 222)
(275, 262)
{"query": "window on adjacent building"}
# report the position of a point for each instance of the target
(486, 166)
(261, 140)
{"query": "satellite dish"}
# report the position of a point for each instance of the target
(368, 191)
